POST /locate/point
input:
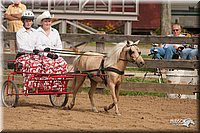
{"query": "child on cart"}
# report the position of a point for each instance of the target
(31, 44)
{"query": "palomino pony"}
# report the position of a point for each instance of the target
(113, 66)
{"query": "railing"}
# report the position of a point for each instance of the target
(85, 9)
(65, 10)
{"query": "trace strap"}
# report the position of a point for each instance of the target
(112, 69)
(102, 70)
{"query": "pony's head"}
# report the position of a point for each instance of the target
(126, 51)
(133, 53)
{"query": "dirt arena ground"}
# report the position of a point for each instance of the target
(139, 113)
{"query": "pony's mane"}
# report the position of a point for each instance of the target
(114, 54)
(76, 60)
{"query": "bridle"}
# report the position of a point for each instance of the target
(130, 52)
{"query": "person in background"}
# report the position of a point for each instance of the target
(157, 51)
(26, 36)
(190, 53)
(169, 50)
(13, 15)
(47, 36)
(194, 54)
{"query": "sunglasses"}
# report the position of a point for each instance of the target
(175, 29)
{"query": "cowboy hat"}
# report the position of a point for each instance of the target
(45, 14)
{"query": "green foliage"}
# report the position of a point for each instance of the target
(144, 45)
(146, 56)
(139, 79)
(139, 69)
(132, 79)
(157, 31)
(56, 27)
(130, 93)
(20, 85)
(138, 93)
(110, 28)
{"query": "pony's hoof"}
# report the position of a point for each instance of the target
(69, 107)
(118, 114)
(95, 110)
(64, 108)
(105, 109)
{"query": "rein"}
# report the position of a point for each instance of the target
(129, 60)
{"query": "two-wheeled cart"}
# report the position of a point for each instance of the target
(35, 83)
(37, 80)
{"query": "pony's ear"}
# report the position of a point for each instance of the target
(128, 43)
(136, 43)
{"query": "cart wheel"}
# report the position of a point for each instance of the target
(9, 94)
(58, 100)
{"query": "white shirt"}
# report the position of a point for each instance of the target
(26, 40)
(48, 41)
(177, 45)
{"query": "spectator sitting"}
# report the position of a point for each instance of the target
(190, 54)
(168, 50)
(13, 15)
(194, 54)
(157, 51)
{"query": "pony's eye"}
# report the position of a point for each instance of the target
(139, 53)
(131, 52)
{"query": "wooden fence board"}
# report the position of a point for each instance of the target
(165, 88)
(119, 38)
(142, 87)
(148, 39)
(170, 64)
(149, 63)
